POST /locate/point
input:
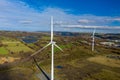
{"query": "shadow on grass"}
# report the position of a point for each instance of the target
(4, 72)
(8, 72)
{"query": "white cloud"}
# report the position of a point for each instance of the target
(16, 15)
(90, 27)
(25, 21)
(85, 21)
(116, 19)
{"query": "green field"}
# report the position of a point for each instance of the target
(13, 45)
(3, 50)
(17, 47)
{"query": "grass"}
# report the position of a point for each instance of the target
(74, 60)
(63, 47)
(46, 38)
(76, 65)
(105, 61)
(104, 75)
(18, 73)
(18, 49)
(3, 50)
(15, 46)
(7, 39)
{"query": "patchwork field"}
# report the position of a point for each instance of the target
(13, 45)
(76, 62)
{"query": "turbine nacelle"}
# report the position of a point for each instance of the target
(53, 42)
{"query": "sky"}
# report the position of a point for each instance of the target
(34, 15)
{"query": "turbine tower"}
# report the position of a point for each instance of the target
(52, 43)
(93, 39)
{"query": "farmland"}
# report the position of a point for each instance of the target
(13, 45)
(76, 62)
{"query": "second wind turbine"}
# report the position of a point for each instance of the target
(93, 39)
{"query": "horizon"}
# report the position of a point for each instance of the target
(98, 32)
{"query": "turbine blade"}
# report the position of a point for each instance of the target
(40, 50)
(58, 47)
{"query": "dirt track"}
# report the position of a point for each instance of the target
(8, 59)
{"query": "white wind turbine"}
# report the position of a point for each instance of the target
(52, 43)
(93, 39)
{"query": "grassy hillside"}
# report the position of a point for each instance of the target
(76, 62)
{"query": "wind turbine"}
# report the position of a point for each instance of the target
(93, 39)
(52, 43)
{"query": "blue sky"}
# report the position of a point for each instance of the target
(34, 15)
(95, 7)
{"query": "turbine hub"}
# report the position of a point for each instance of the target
(53, 42)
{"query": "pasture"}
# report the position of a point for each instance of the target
(3, 50)
(15, 46)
